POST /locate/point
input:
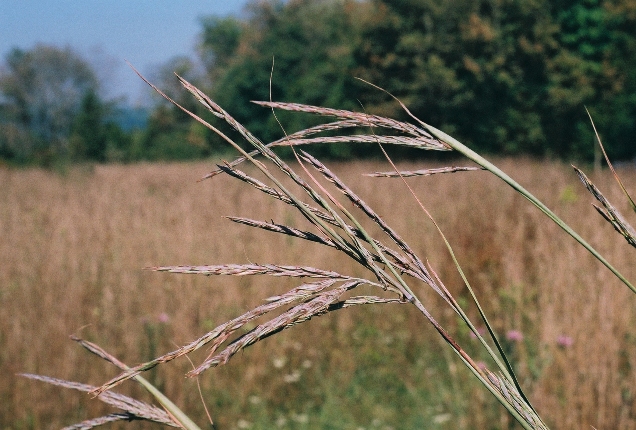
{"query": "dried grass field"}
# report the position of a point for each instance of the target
(73, 246)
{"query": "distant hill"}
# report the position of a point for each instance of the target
(131, 118)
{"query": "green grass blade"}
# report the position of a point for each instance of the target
(173, 409)
(472, 155)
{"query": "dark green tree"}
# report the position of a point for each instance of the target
(615, 108)
(509, 76)
(475, 68)
(170, 132)
(505, 76)
(311, 43)
(88, 138)
(42, 91)
(219, 41)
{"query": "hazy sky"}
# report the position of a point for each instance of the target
(145, 32)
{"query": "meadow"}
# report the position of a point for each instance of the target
(73, 246)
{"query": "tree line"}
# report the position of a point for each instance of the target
(504, 76)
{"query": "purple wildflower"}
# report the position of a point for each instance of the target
(564, 341)
(514, 336)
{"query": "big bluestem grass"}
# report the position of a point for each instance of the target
(392, 268)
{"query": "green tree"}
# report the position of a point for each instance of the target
(505, 76)
(88, 138)
(618, 110)
(95, 136)
(475, 68)
(42, 91)
(219, 41)
(508, 76)
(171, 133)
(311, 43)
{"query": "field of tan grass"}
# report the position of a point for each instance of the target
(72, 248)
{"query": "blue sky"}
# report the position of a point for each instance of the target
(145, 32)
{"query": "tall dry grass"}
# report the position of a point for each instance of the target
(72, 247)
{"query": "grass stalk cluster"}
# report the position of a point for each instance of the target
(393, 272)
